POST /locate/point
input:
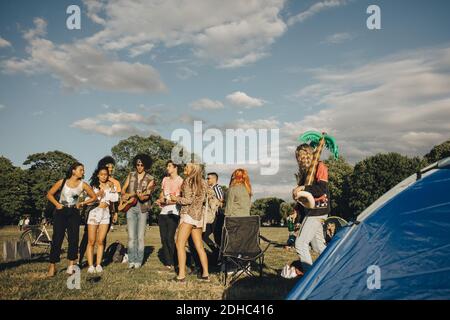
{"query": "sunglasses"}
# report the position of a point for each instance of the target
(139, 165)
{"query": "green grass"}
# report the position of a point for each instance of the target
(27, 279)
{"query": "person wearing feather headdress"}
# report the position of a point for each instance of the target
(312, 227)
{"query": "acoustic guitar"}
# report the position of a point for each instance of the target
(126, 203)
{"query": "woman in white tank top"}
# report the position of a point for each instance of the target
(67, 215)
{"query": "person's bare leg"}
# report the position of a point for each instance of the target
(184, 230)
(102, 231)
(92, 235)
(198, 242)
(51, 270)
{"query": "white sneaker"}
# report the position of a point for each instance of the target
(91, 269)
(98, 269)
(131, 265)
(70, 270)
(137, 265)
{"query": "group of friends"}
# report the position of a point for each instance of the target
(183, 221)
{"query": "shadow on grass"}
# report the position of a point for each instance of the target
(267, 287)
(148, 250)
(15, 264)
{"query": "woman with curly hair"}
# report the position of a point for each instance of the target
(239, 194)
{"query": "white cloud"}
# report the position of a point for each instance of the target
(229, 33)
(113, 130)
(139, 50)
(127, 117)
(119, 124)
(185, 73)
(81, 65)
(188, 119)
(4, 43)
(315, 9)
(400, 103)
(270, 123)
(241, 99)
(39, 30)
(338, 38)
(206, 104)
(94, 7)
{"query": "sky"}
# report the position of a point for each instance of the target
(151, 67)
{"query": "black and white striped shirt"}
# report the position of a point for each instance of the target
(218, 191)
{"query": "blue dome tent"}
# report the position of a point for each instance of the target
(401, 241)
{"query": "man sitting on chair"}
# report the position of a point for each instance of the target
(312, 227)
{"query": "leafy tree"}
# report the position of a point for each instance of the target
(438, 152)
(286, 209)
(43, 171)
(158, 148)
(14, 199)
(268, 209)
(339, 172)
(374, 176)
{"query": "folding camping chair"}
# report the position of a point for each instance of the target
(240, 246)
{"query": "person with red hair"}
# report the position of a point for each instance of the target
(239, 194)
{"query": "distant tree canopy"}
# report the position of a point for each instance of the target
(268, 209)
(13, 192)
(286, 209)
(438, 152)
(158, 148)
(374, 176)
(44, 169)
(339, 173)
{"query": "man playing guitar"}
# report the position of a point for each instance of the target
(137, 188)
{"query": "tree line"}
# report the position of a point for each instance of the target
(352, 188)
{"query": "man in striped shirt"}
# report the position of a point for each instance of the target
(216, 227)
(212, 182)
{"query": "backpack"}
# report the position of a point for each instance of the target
(115, 252)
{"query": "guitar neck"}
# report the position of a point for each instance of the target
(313, 168)
(134, 194)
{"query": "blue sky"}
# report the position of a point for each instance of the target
(140, 67)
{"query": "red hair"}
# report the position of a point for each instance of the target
(240, 176)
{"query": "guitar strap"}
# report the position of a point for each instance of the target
(60, 189)
(135, 186)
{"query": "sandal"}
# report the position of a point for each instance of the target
(203, 278)
(176, 279)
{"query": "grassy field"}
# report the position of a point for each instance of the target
(27, 279)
